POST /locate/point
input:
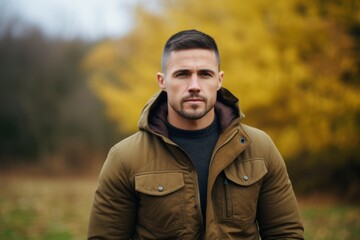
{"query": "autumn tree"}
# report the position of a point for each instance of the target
(293, 64)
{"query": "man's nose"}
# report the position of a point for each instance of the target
(194, 83)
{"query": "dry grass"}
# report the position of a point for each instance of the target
(45, 208)
(38, 208)
(327, 218)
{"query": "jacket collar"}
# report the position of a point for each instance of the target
(154, 115)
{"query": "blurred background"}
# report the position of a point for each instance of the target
(75, 75)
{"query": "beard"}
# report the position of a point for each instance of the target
(194, 111)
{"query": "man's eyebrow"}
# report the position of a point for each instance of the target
(181, 71)
(186, 70)
(205, 70)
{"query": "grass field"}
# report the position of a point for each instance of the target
(38, 208)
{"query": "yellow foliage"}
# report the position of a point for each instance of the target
(282, 59)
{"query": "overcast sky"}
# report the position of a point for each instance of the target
(91, 19)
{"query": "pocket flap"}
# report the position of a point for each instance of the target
(246, 172)
(159, 184)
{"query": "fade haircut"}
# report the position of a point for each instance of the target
(188, 39)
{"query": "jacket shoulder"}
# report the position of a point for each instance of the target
(118, 153)
(131, 141)
(261, 146)
(131, 146)
(256, 135)
(136, 152)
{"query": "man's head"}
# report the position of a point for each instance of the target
(185, 40)
(191, 79)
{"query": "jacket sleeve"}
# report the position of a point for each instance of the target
(113, 213)
(278, 213)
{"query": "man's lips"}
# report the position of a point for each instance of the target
(194, 100)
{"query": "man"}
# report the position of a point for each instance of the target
(193, 171)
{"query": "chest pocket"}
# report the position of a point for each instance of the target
(161, 207)
(239, 189)
(246, 173)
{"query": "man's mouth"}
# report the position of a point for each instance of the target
(194, 100)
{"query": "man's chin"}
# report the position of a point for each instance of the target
(193, 115)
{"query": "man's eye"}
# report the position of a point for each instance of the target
(182, 75)
(205, 75)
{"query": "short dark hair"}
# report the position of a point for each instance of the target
(188, 39)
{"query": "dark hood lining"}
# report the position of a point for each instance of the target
(226, 108)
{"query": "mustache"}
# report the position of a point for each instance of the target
(193, 96)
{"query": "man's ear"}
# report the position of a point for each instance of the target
(221, 76)
(161, 80)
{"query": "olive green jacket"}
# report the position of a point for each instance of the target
(148, 187)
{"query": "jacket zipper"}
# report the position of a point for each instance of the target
(227, 188)
(197, 193)
(228, 203)
(198, 202)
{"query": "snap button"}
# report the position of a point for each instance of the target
(160, 188)
(242, 140)
(245, 177)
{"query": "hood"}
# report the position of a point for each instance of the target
(153, 116)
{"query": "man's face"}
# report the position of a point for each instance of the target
(191, 81)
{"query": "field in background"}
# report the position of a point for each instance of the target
(38, 208)
(34, 208)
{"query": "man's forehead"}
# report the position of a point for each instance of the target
(199, 58)
(193, 51)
